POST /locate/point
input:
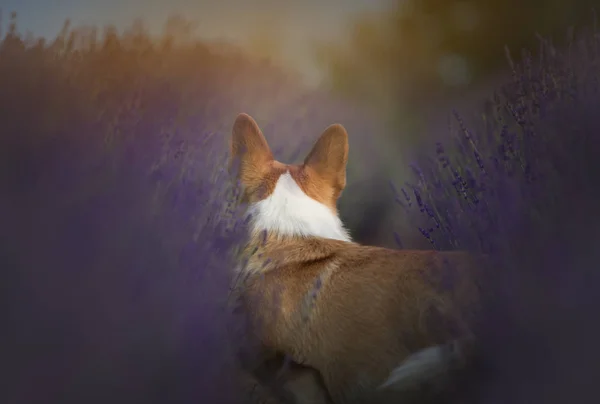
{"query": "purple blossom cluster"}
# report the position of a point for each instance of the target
(118, 215)
(517, 180)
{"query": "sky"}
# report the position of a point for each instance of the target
(290, 25)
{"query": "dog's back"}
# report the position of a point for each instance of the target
(355, 313)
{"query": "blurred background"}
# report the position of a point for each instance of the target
(406, 64)
(465, 120)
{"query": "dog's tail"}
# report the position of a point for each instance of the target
(427, 365)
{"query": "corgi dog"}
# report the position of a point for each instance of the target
(367, 324)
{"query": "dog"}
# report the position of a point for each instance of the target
(364, 324)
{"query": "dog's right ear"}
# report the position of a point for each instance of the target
(248, 145)
(329, 156)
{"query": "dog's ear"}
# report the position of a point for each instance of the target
(329, 156)
(247, 141)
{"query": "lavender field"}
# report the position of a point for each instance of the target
(116, 231)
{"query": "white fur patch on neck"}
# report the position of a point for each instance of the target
(288, 211)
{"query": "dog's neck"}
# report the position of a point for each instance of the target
(289, 212)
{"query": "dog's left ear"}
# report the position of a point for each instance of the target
(329, 156)
(247, 140)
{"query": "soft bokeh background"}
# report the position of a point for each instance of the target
(117, 221)
(279, 29)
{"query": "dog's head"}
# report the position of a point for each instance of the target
(291, 200)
